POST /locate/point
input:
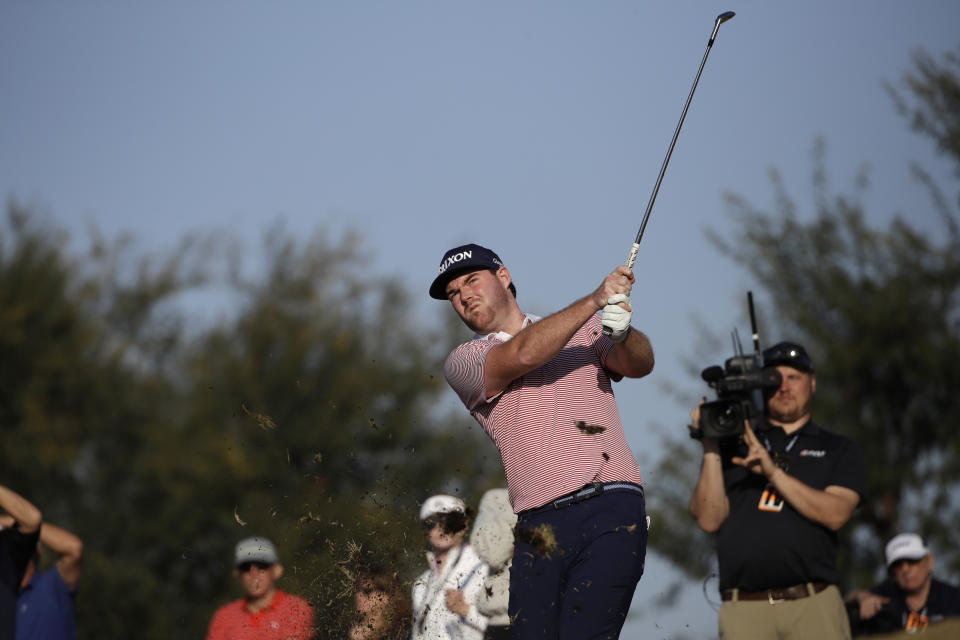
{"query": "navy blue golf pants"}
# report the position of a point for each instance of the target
(575, 568)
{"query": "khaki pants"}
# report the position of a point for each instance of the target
(821, 616)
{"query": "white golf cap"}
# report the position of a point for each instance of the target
(441, 504)
(256, 550)
(906, 546)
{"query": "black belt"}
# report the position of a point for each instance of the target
(774, 596)
(588, 491)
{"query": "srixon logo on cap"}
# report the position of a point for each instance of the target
(454, 259)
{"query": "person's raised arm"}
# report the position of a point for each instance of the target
(632, 358)
(869, 603)
(539, 342)
(69, 550)
(831, 507)
(632, 355)
(709, 504)
(27, 516)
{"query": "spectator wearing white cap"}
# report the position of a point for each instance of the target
(445, 596)
(910, 598)
(265, 612)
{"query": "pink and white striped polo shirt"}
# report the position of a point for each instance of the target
(557, 427)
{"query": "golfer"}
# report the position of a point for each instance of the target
(541, 389)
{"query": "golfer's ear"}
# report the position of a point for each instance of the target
(504, 275)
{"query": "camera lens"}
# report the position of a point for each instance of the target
(727, 418)
(721, 418)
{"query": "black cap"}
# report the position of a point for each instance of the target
(467, 257)
(789, 354)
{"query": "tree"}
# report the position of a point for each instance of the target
(311, 412)
(879, 310)
(317, 403)
(84, 340)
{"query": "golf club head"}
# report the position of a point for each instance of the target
(723, 17)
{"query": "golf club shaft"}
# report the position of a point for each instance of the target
(723, 17)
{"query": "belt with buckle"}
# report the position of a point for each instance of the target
(588, 491)
(774, 596)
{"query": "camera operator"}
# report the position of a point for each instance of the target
(776, 498)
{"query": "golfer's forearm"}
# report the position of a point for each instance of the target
(539, 342)
(534, 345)
(632, 358)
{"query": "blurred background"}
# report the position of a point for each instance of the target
(221, 220)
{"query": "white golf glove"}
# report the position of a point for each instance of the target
(616, 318)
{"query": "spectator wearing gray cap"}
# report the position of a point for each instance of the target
(775, 498)
(265, 612)
(910, 598)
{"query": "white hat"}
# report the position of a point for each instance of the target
(907, 546)
(256, 550)
(441, 504)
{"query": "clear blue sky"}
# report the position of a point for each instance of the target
(536, 128)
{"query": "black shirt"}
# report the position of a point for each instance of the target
(943, 602)
(16, 549)
(765, 543)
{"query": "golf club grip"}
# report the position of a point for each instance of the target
(633, 255)
(607, 331)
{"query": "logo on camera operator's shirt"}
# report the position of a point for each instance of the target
(812, 453)
(770, 500)
(916, 621)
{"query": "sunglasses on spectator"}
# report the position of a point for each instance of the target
(448, 522)
(246, 566)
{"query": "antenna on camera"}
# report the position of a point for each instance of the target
(753, 324)
(737, 346)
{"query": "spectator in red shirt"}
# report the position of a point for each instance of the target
(265, 612)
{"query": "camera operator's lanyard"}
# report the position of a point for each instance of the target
(782, 459)
(769, 499)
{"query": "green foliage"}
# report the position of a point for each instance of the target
(879, 310)
(932, 102)
(311, 412)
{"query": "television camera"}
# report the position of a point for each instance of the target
(740, 386)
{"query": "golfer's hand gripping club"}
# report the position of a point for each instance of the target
(616, 318)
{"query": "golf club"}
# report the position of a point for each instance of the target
(723, 17)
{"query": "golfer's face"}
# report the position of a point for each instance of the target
(477, 297)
